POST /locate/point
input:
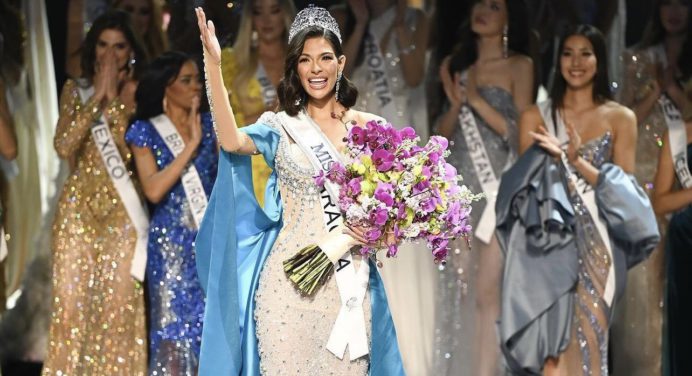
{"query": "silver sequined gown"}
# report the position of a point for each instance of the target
(292, 330)
(587, 352)
(455, 337)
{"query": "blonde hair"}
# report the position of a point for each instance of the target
(246, 56)
(154, 39)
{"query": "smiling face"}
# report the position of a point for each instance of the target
(318, 67)
(674, 16)
(140, 13)
(489, 17)
(115, 41)
(185, 87)
(578, 62)
(268, 19)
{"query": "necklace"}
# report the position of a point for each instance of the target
(340, 117)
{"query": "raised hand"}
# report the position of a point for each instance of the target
(106, 77)
(195, 123)
(207, 32)
(360, 11)
(453, 88)
(547, 141)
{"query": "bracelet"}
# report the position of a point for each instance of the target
(408, 50)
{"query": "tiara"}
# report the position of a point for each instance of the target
(314, 16)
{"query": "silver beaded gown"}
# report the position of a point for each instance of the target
(293, 330)
(456, 309)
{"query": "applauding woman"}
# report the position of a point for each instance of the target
(100, 227)
(175, 151)
(570, 222)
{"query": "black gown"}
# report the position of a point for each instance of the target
(678, 293)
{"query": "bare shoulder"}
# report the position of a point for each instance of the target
(521, 63)
(619, 116)
(363, 117)
(532, 115)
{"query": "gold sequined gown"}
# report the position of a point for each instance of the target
(637, 329)
(98, 321)
(293, 330)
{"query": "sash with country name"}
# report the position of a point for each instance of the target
(349, 328)
(586, 194)
(677, 137)
(484, 172)
(117, 171)
(376, 65)
(192, 184)
(268, 91)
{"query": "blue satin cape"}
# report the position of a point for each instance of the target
(234, 240)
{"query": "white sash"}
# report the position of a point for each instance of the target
(677, 137)
(378, 77)
(192, 184)
(484, 171)
(118, 173)
(3, 244)
(268, 90)
(349, 328)
(587, 195)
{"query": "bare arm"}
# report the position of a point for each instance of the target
(229, 137)
(74, 121)
(355, 39)
(522, 85)
(665, 200)
(413, 45)
(529, 122)
(456, 96)
(8, 139)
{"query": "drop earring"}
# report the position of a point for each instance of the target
(338, 82)
(254, 39)
(505, 42)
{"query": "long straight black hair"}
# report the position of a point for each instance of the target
(601, 87)
(152, 86)
(465, 53)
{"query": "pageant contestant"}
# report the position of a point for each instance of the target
(570, 223)
(673, 195)
(175, 153)
(255, 319)
(100, 229)
(253, 68)
(488, 81)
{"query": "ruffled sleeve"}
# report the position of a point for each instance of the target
(626, 209)
(139, 134)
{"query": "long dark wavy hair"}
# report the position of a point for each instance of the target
(465, 53)
(292, 95)
(601, 87)
(162, 72)
(111, 20)
(655, 32)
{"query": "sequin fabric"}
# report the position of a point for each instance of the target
(97, 321)
(587, 352)
(456, 326)
(293, 330)
(640, 73)
(175, 296)
(638, 323)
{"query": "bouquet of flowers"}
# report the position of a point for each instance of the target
(397, 191)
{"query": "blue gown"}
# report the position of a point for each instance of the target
(235, 240)
(175, 296)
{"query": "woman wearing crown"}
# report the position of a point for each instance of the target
(256, 322)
